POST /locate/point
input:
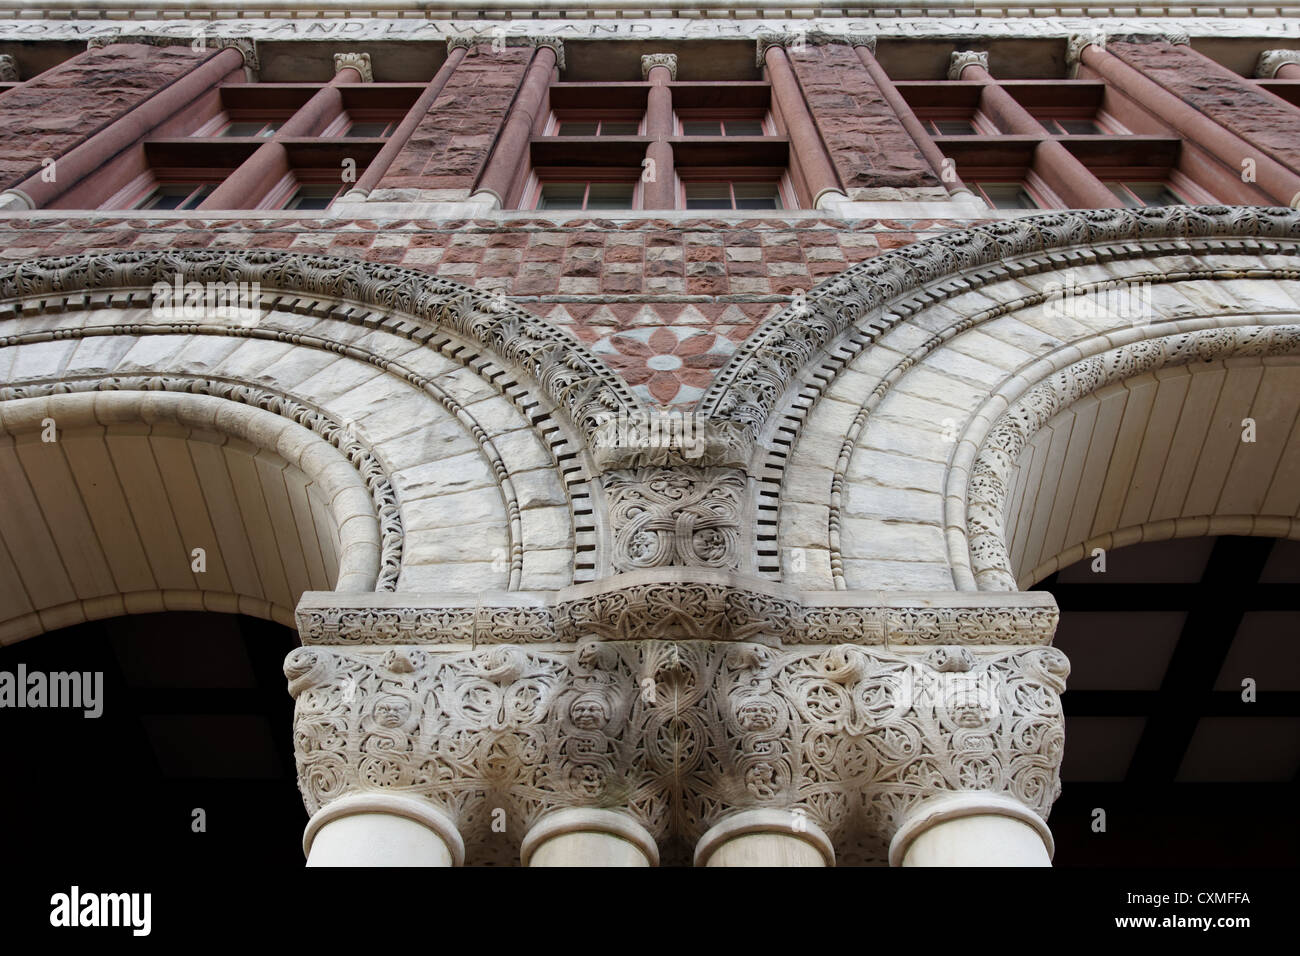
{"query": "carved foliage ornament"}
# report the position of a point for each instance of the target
(357, 61)
(680, 734)
(666, 60)
(675, 517)
(963, 58)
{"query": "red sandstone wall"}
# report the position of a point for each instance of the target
(451, 145)
(867, 143)
(56, 111)
(1223, 96)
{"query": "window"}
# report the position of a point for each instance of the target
(1065, 126)
(176, 196)
(586, 195)
(950, 127)
(313, 197)
(1135, 195)
(262, 128)
(599, 127)
(723, 127)
(1007, 195)
(732, 195)
(371, 130)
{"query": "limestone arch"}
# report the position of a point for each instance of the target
(915, 325)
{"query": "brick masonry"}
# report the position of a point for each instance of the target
(867, 143)
(665, 304)
(54, 112)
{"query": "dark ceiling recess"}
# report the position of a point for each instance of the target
(1157, 733)
(195, 716)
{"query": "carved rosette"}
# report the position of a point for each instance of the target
(680, 734)
(676, 517)
(964, 58)
(666, 60)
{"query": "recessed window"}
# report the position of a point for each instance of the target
(951, 127)
(1136, 195)
(722, 127)
(586, 196)
(176, 196)
(1007, 195)
(1064, 126)
(732, 195)
(598, 128)
(312, 197)
(262, 128)
(370, 130)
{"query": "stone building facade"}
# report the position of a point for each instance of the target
(652, 421)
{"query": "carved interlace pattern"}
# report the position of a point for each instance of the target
(678, 734)
(990, 479)
(675, 517)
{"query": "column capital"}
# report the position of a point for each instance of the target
(961, 59)
(1176, 38)
(766, 41)
(246, 46)
(8, 69)
(356, 61)
(651, 60)
(1078, 42)
(463, 42)
(861, 39)
(1270, 61)
(556, 44)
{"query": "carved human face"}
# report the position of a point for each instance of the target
(641, 545)
(710, 544)
(589, 713)
(391, 711)
(756, 715)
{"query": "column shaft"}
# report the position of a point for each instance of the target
(986, 840)
(512, 147)
(1068, 178)
(588, 836)
(128, 128)
(379, 165)
(924, 142)
(1282, 184)
(805, 142)
(766, 849)
(382, 829)
(661, 193)
(1288, 71)
(258, 174)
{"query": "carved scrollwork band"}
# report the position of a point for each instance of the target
(683, 517)
(990, 477)
(678, 735)
(677, 604)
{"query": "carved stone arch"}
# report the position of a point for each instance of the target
(891, 402)
(526, 412)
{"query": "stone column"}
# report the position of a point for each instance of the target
(805, 142)
(1278, 65)
(972, 829)
(1068, 178)
(865, 48)
(581, 836)
(765, 838)
(90, 155)
(660, 69)
(457, 48)
(1279, 182)
(382, 829)
(258, 174)
(508, 159)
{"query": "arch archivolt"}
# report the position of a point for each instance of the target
(473, 477)
(875, 490)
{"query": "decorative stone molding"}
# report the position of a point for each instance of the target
(855, 307)
(862, 39)
(1076, 44)
(684, 605)
(360, 456)
(462, 42)
(1270, 61)
(566, 372)
(247, 48)
(1176, 38)
(651, 60)
(554, 43)
(961, 59)
(676, 517)
(196, 39)
(767, 41)
(989, 482)
(684, 735)
(8, 69)
(669, 438)
(357, 61)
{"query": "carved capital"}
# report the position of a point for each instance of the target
(1176, 38)
(1078, 42)
(356, 61)
(650, 61)
(463, 42)
(795, 42)
(1270, 61)
(247, 47)
(861, 39)
(554, 43)
(857, 740)
(8, 69)
(963, 58)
